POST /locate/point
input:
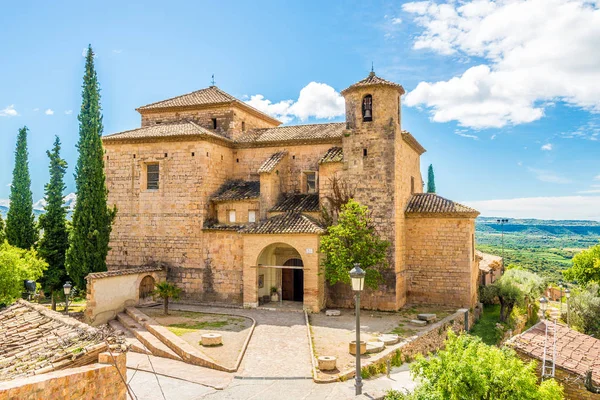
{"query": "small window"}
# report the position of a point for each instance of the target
(311, 182)
(251, 216)
(152, 176)
(237, 160)
(193, 154)
(367, 108)
(166, 155)
(134, 156)
(412, 185)
(106, 158)
(214, 123)
(365, 152)
(221, 157)
(243, 126)
(231, 215)
(158, 122)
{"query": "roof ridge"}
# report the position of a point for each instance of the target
(187, 94)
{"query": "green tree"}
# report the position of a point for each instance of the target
(584, 307)
(430, 180)
(16, 266)
(92, 218)
(55, 241)
(354, 239)
(2, 233)
(166, 291)
(20, 221)
(468, 369)
(586, 266)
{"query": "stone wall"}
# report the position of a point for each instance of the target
(440, 261)
(97, 381)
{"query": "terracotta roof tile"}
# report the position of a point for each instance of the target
(333, 130)
(237, 190)
(270, 163)
(35, 340)
(334, 154)
(297, 203)
(575, 352)
(373, 80)
(209, 95)
(165, 130)
(128, 271)
(431, 203)
(285, 223)
(212, 225)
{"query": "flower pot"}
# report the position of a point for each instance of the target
(274, 297)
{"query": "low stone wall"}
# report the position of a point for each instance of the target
(96, 381)
(111, 292)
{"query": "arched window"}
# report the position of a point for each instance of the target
(367, 108)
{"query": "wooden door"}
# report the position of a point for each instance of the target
(146, 287)
(287, 284)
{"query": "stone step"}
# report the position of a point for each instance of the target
(134, 344)
(375, 346)
(418, 322)
(155, 345)
(427, 317)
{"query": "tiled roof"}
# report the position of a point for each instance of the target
(209, 95)
(212, 225)
(297, 203)
(431, 203)
(334, 154)
(285, 223)
(575, 352)
(412, 142)
(333, 130)
(165, 130)
(237, 190)
(35, 340)
(488, 262)
(271, 162)
(373, 80)
(129, 271)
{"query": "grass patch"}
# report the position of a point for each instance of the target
(193, 326)
(400, 330)
(485, 328)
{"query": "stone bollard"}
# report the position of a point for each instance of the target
(211, 339)
(363, 347)
(327, 363)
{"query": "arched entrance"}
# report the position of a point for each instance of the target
(292, 280)
(146, 288)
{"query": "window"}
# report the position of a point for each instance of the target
(193, 154)
(311, 181)
(152, 176)
(243, 126)
(251, 216)
(412, 185)
(365, 152)
(231, 215)
(367, 108)
(158, 122)
(214, 123)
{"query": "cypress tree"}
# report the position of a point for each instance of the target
(92, 219)
(430, 180)
(55, 241)
(20, 222)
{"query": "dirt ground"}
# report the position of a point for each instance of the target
(191, 325)
(331, 335)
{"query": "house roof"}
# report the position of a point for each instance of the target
(334, 154)
(412, 142)
(270, 163)
(297, 203)
(373, 80)
(310, 132)
(292, 222)
(165, 130)
(488, 262)
(575, 352)
(121, 272)
(431, 203)
(35, 340)
(237, 190)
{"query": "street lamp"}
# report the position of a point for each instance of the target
(67, 289)
(357, 275)
(560, 286)
(543, 306)
(567, 295)
(502, 221)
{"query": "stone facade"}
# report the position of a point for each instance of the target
(205, 141)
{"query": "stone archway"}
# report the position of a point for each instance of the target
(146, 288)
(280, 266)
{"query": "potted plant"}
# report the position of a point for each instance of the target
(274, 294)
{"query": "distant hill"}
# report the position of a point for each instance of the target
(38, 206)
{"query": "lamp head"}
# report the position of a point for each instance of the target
(543, 304)
(567, 293)
(357, 275)
(67, 288)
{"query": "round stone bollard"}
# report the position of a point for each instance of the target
(211, 339)
(363, 347)
(327, 363)
(389, 339)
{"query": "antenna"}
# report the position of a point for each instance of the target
(372, 68)
(212, 82)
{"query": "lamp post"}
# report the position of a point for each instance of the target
(543, 306)
(560, 286)
(567, 295)
(67, 289)
(502, 221)
(357, 275)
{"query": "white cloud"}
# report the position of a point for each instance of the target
(547, 52)
(36, 109)
(69, 112)
(9, 111)
(316, 100)
(547, 147)
(589, 191)
(548, 176)
(49, 112)
(462, 132)
(597, 177)
(396, 21)
(117, 51)
(493, 137)
(567, 207)
(520, 163)
(84, 52)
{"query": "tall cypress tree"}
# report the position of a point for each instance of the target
(430, 180)
(55, 241)
(20, 222)
(92, 219)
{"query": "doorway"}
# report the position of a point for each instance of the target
(292, 280)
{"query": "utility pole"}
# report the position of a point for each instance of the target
(502, 221)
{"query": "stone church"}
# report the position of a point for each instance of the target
(230, 202)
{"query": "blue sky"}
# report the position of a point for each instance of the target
(509, 116)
